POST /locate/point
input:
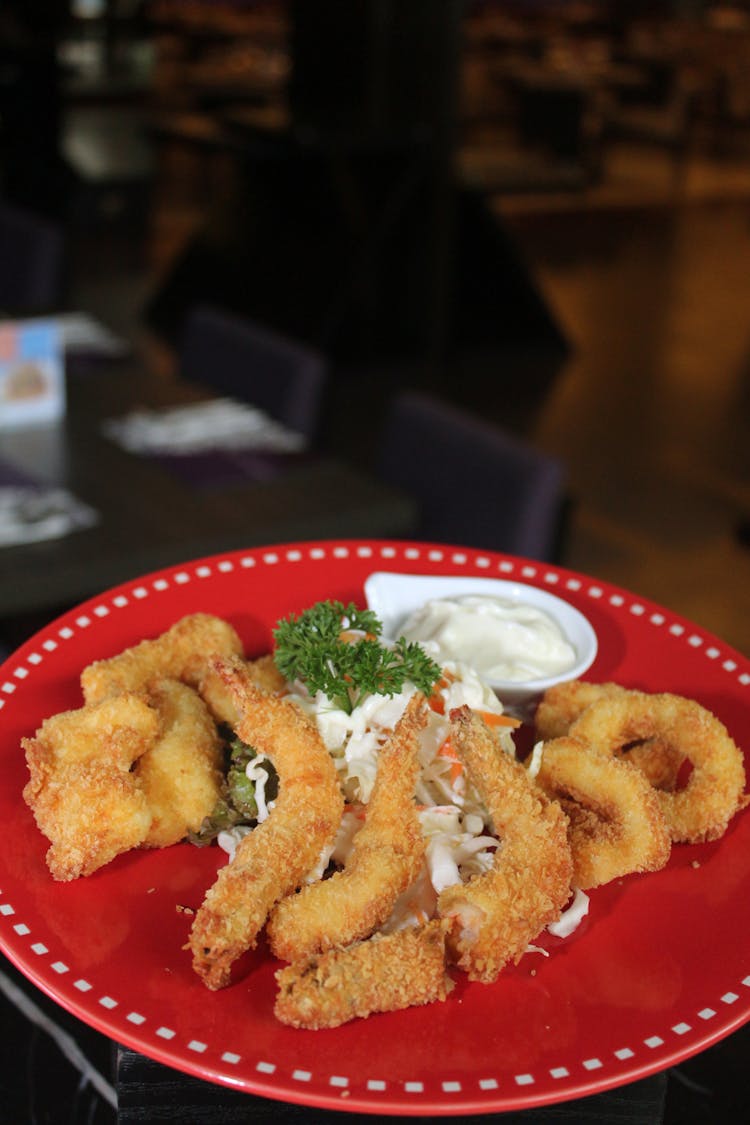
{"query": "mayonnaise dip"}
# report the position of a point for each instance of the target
(500, 639)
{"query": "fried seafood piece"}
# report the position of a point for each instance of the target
(180, 773)
(493, 917)
(386, 857)
(273, 859)
(383, 974)
(714, 791)
(183, 652)
(564, 703)
(218, 696)
(81, 790)
(616, 825)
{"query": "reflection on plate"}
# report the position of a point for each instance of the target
(653, 974)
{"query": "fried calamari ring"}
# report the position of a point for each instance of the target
(272, 860)
(180, 773)
(564, 703)
(183, 652)
(616, 823)
(383, 974)
(83, 791)
(495, 915)
(714, 790)
(386, 857)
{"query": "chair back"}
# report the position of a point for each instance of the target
(243, 360)
(474, 483)
(31, 262)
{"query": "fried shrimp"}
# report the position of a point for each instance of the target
(386, 857)
(81, 790)
(564, 703)
(616, 825)
(383, 974)
(273, 859)
(702, 809)
(493, 917)
(218, 696)
(180, 774)
(181, 653)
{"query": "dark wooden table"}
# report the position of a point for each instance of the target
(148, 1091)
(150, 517)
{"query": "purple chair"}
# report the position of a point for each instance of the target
(31, 262)
(474, 483)
(243, 360)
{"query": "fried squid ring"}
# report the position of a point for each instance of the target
(616, 823)
(183, 652)
(384, 974)
(564, 703)
(493, 917)
(273, 859)
(386, 857)
(180, 773)
(83, 791)
(714, 791)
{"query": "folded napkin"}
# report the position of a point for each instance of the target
(218, 424)
(32, 513)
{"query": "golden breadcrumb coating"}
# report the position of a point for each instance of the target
(180, 774)
(218, 695)
(386, 857)
(563, 704)
(616, 825)
(84, 796)
(714, 791)
(182, 653)
(273, 859)
(384, 974)
(495, 915)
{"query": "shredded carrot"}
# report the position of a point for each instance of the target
(494, 720)
(436, 701)
(447, 750)
(351, 636)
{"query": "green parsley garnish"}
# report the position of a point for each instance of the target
(334, 648)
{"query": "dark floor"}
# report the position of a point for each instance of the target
(648, 278)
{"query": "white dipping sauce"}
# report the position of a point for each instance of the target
(500, 639)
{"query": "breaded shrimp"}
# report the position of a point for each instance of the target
(218, 696)
(386, 857)
(181, 653)
(495, 915)
(616, 825)
(273, 859)
(384, 974)
(84, 796)
(180, 774)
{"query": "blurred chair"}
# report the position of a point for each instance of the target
(474, 483)
(31, 262)
(245, 361)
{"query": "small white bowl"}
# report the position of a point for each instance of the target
(393, 597)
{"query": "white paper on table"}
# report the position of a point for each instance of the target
(33, 514)
(218, 424)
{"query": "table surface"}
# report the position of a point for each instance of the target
(149, 517)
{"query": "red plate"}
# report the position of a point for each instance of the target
(658, 971)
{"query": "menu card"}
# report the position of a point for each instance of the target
(32, 373)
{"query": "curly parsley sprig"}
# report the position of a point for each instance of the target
(334, 648)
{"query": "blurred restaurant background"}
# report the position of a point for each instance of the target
(533, 213)
(537, 211)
